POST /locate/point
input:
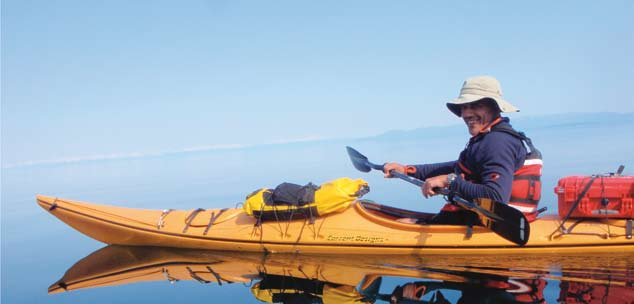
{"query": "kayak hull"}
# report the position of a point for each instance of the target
(360, 229)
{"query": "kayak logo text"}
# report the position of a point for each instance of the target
(356, 238)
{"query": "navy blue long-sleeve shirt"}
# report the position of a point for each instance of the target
(488, 163)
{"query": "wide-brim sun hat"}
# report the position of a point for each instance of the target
(477, 88)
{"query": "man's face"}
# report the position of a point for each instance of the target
(477, 115)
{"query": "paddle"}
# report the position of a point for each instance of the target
(504, 220)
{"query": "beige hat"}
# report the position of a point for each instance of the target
(480, 87)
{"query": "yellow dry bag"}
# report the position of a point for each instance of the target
(291, 201)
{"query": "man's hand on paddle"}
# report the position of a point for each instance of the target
(439, 181)
(393, 166)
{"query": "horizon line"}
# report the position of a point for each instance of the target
(139, 155)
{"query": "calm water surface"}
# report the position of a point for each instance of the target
(39, 252)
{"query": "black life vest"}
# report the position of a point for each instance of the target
(526, 187)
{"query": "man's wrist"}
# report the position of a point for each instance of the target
(450, 179)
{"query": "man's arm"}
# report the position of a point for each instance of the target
(430, 170)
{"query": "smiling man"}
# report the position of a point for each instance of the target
(495, 164)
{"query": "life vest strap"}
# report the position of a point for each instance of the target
(527, 201)
(464, 168)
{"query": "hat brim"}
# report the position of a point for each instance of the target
(455, 105)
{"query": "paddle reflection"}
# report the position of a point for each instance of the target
(283, 278)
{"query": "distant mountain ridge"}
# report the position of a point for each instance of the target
(534, 123)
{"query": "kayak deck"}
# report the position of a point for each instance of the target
(364, 228)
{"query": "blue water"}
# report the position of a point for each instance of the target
(37, 248)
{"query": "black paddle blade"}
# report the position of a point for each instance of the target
(514, 228)
(359, 161)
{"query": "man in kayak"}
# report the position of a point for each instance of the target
(488, 167)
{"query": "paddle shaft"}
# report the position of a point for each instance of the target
(407, 178)
(411, 180)
(444, 191)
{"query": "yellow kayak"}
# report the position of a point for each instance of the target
(363, 228)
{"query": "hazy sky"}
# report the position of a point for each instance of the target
(85, 78)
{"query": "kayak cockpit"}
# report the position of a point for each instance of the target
(393, 213)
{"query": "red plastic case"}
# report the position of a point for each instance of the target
(608, 196)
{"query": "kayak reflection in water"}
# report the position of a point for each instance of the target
(285, 289)
(291, 278)
(281, 289)
(584, 292)
(511, 291)
(494, 165)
